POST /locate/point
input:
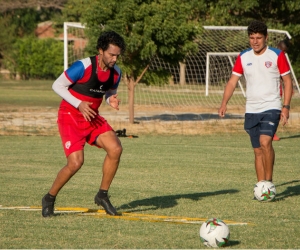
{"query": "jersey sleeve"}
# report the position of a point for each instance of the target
(113, 89)
(117, 77)
(60, 87)
(283, 64)
(238, 68)
(75, 72)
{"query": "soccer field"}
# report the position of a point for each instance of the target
(171, 177)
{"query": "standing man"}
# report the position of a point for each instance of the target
(262, 67)
(82, 87)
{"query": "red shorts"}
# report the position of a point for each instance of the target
(75, 131)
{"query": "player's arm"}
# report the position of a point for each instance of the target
(108, 94)
(60, 87)
(284, 69)
(288, 91)
(62, 83)
(112, 100)
(229, 89)
(111, 95)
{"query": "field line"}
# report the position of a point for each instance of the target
(123, 215)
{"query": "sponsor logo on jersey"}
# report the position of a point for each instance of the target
(98, 90)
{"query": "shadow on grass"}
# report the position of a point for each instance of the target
(168, 201)
(232, 243)
(289, 137)
(187, 117)
(59, 213)
(290, 190)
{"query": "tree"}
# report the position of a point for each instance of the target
(73, 10)
(163, 28)
(18, 19)
(237, 12)
(6, 39)
(6, 6)
(38, 58)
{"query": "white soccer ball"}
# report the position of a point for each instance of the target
(264, 191)
(214, 233)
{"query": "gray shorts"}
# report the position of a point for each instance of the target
(265, 123)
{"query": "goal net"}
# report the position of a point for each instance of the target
(197, 85)
(74, 42)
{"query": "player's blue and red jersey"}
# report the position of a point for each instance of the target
(90, 83)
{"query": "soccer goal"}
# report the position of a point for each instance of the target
(74, 42)
(236, 33)
(220, 61)
(196, 84)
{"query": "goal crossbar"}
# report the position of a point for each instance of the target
(244, 28)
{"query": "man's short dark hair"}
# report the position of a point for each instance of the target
(110, 37)
(283, 45)
(257, 27)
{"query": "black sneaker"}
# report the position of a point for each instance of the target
(105, 203)
(47, 208)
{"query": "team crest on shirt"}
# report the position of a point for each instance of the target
(268, 64)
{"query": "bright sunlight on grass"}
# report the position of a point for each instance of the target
(184, 176)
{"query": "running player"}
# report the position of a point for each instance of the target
(83, 87)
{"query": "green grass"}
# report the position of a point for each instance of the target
(27, 94)
(190, 176)
(39, 93)
(177, 175)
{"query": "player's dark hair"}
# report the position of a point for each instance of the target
(257, 27)
(110, 37)
(284, 45)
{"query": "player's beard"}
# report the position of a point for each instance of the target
(109, 65)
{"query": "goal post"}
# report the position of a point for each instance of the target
(196, 85)
(70, 36)
(293, 73)
(231, 57)
(275, 36)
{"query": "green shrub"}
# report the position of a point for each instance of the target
(39, 58)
